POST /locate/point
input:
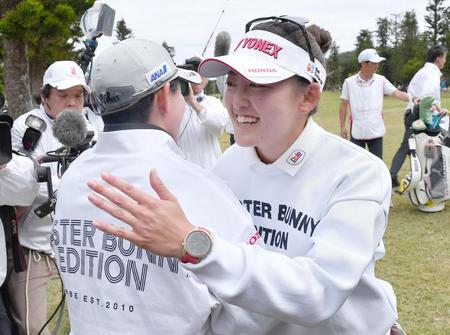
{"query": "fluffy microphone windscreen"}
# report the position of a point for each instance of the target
(70, 128)
(222, 45)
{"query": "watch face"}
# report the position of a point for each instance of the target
(198, 243)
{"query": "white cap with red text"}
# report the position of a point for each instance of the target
(262, 57)
(65, 74)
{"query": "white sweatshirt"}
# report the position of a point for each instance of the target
(18, 187)
(200, 132)
(117, 288)
(322, 210)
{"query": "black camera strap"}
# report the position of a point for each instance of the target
(11, 227)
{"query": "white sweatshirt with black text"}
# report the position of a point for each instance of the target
(322, 210)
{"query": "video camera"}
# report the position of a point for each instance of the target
(70, 129)
(5, 139)
(191, 64)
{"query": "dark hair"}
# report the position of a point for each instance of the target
(436, 51)
(135, 113)
(138, 112)
(46, 90)
(320, 40)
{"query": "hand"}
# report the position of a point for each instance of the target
(344, 133)
(158, 225)
(190, 98)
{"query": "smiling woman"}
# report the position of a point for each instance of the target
(322, 223)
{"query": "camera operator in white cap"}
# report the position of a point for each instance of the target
(117, 287)
(203, 123)
(363, 94)
(64, 87)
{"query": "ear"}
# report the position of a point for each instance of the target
(161, 101)
(311, 98)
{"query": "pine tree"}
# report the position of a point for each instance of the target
(363, 41)
(35, 33)
(170, 50)
(435, 19)
(122, 31)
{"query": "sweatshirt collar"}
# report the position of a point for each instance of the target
(295, 157)
(134, 139)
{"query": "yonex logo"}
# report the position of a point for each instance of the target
(295, 157)
(259, 44)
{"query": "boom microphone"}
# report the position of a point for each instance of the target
(222, 45)
(70, 128)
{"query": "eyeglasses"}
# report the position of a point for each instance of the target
(298, 21)
(180, 84)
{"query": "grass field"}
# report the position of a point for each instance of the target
(417, 261)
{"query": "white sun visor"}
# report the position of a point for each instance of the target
(265, 58)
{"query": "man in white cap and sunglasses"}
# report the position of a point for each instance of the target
(363, 93)
(114, 286)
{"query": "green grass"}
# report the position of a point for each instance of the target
(417, 261)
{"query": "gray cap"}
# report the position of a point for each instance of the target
(130, 70)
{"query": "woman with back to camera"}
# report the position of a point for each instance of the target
(319, 202)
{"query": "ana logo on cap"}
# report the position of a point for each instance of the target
(157, 72)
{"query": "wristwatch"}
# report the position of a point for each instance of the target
(197, 244)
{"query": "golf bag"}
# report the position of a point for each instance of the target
(427, 185)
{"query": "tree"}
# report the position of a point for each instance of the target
(334, 79)
(383, 41)
(395, 29)
(122, 31)
(36, 33)
(410, 54)
(17, 80)
(383, 30)
(435, 19)
(170, 50)
(363, 41)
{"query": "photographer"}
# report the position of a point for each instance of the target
(204, 120)
(63, 88)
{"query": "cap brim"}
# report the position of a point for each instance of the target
(64, 85)
(251, 68)
(378, 59)
(188, 75)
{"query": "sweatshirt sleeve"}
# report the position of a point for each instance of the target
(18, 184)
(309, 289)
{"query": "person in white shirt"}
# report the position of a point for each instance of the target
(19, 187)
(63, 88)
(363, 93)
(115, 287)
(426, 82)
(319, 202)
(203, 123)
